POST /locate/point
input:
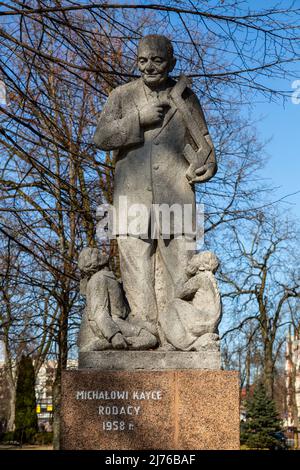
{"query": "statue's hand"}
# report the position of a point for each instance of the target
(118, 342)
(152, 113)
(204, 173)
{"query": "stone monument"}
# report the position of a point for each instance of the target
(149, 352)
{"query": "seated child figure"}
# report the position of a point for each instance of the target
(190, 321)
(105, 323)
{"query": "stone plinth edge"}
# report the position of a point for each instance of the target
(150, 360)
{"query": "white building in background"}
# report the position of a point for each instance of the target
(292, 374)
(1, 352)
(43, 392)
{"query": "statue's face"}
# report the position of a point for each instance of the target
(154, 63)
(92, 261)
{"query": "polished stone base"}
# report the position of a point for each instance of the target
(149, 360)
(158, 410)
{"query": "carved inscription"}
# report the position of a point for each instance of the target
(116, 408)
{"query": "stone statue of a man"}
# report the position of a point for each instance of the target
(156, 127)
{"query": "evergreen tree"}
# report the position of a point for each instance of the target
(262, 421)
(26, 424)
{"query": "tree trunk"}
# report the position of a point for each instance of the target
(12, 407)
(61, 365)
(248, 370)
(56, 409)
(10, 376)
(269, 369)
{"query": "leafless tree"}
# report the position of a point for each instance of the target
(60, 60)
(259, 281)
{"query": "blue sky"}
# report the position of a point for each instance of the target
(280, 123)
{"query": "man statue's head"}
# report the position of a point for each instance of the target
(155, 59)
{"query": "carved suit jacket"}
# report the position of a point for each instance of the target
(150, 166)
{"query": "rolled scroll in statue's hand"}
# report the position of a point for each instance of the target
(197, 171)
(198, 162)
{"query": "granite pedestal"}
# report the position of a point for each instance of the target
(166, 409)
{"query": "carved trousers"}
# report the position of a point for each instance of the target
(150, 270)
